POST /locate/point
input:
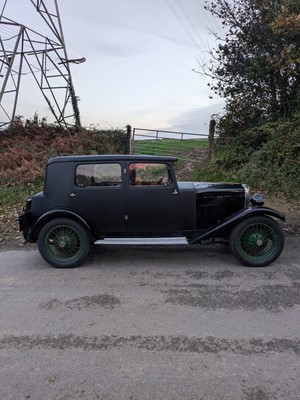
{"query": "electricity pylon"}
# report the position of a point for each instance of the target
(23, 51)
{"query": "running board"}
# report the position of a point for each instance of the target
(143, 241)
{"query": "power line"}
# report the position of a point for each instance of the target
(190, 22)
(191, 30)
(177, 16)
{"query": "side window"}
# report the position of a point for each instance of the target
(98, 175)
(149, 174)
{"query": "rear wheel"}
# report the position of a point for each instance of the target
(63, 243)
(257, 241)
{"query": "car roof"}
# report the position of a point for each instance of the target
(111, 157)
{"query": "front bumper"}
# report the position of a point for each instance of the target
(25, 225)
(23, 222)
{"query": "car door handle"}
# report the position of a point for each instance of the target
(175, 192)
(73, 195)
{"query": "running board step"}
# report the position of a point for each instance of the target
(143, 241)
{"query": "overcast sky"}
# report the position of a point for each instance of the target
(139, 62)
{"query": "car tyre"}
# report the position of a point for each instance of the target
(257, 241)
(64, 243)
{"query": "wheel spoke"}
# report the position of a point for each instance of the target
(258, 241)
(63, 243)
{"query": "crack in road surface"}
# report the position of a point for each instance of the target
(180, 344)
(104, 301)
(272, 298)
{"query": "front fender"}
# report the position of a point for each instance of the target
(56, 214)
(234, 219)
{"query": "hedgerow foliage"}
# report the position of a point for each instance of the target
(266, 157)
(26, 147)
(275, 166)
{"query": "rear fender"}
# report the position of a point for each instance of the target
(48, 216)
(228, 223)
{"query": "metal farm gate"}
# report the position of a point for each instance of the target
(192, 147)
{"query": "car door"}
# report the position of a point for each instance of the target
(98, 195)
(152, 199)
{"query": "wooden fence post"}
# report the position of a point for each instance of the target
(211, 137)
(128, 139)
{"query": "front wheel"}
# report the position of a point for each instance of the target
(257, 241)
(63, 243)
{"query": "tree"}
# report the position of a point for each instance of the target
(256, 67)
(287, 22)
(287, 26)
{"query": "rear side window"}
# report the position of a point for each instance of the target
(149, 174)
(98, 175)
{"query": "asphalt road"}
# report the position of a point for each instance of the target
(150, 323)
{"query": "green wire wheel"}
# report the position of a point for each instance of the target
(257, 241)
(63, 243)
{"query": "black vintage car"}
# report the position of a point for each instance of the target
(136, 200)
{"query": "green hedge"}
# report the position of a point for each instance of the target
(266, 157)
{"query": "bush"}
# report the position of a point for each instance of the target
(276, 165)
(26, 147)
(266, 157)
